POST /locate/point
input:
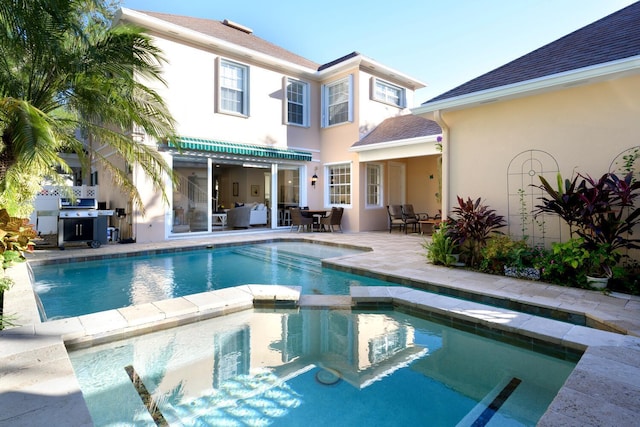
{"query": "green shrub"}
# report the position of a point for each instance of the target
(441, 249)
(499, 252)
(566, 263)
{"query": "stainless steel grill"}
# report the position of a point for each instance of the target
(78, 222)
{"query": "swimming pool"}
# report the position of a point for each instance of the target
(331, 367)
(78, 288)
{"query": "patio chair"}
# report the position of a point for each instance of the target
(395, 217)
(410, 217)
(297, 220)
(334, 218)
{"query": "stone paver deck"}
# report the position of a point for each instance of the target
(38, 386)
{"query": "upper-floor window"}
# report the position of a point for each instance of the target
(388, 93)
(234, 86)
(297, 102)
(337, 102)
(339, 184)
(374, 184)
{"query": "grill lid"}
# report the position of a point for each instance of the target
(80, 203)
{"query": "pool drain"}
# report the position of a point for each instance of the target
(327, 376)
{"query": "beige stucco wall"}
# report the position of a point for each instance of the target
(372, 112)
(192, 95)
(422, 179)
(336, 141)
(583, 128)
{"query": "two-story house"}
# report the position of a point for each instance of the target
(259, 124)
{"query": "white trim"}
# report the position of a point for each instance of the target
(596, 73)
(306, 104)
(371, 65)
(325, 103)
(245, 87)
(418, 147)
(396, 143)
(402, 95)
(380, 167)
(327, 183)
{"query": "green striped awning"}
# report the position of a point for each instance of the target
(208, 145)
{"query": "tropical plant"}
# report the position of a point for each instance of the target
(601, 212)
(472, 224)
(441, 248)
(609, 216)
(16, 236)
(563, 201)
(565, 263)
(15, 239)
(70, 82)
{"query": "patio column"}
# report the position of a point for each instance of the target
(445, 163)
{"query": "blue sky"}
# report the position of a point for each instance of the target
(441, 43)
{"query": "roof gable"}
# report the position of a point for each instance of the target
(220, 30)
(612, 38)
(240, 40)
(400, 128)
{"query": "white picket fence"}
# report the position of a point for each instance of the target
(46, 204)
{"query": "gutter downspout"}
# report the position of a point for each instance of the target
(437, 115)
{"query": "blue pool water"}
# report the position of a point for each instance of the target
(317, 367)
(74, 289)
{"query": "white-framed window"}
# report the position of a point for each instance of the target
(388, 93)
(337, 102)
(297, 102)
(234, 87)
(338, 184)
(374, 185)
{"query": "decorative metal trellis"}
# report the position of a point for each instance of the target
(627, 162)
(524, 193)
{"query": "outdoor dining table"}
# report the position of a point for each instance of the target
(316, 215)
(432, 223)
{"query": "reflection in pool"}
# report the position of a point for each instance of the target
(324, 367)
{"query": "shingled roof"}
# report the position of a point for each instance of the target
(399, 128)
(614, 37)
(233, 35)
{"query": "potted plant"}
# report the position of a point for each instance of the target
(600, 264)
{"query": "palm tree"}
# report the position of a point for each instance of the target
(69, 82)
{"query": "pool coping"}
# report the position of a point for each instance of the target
(40, 386)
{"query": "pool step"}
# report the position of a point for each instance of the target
(325, 301)
(287, 259)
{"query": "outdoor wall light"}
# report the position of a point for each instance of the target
(314, 179)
